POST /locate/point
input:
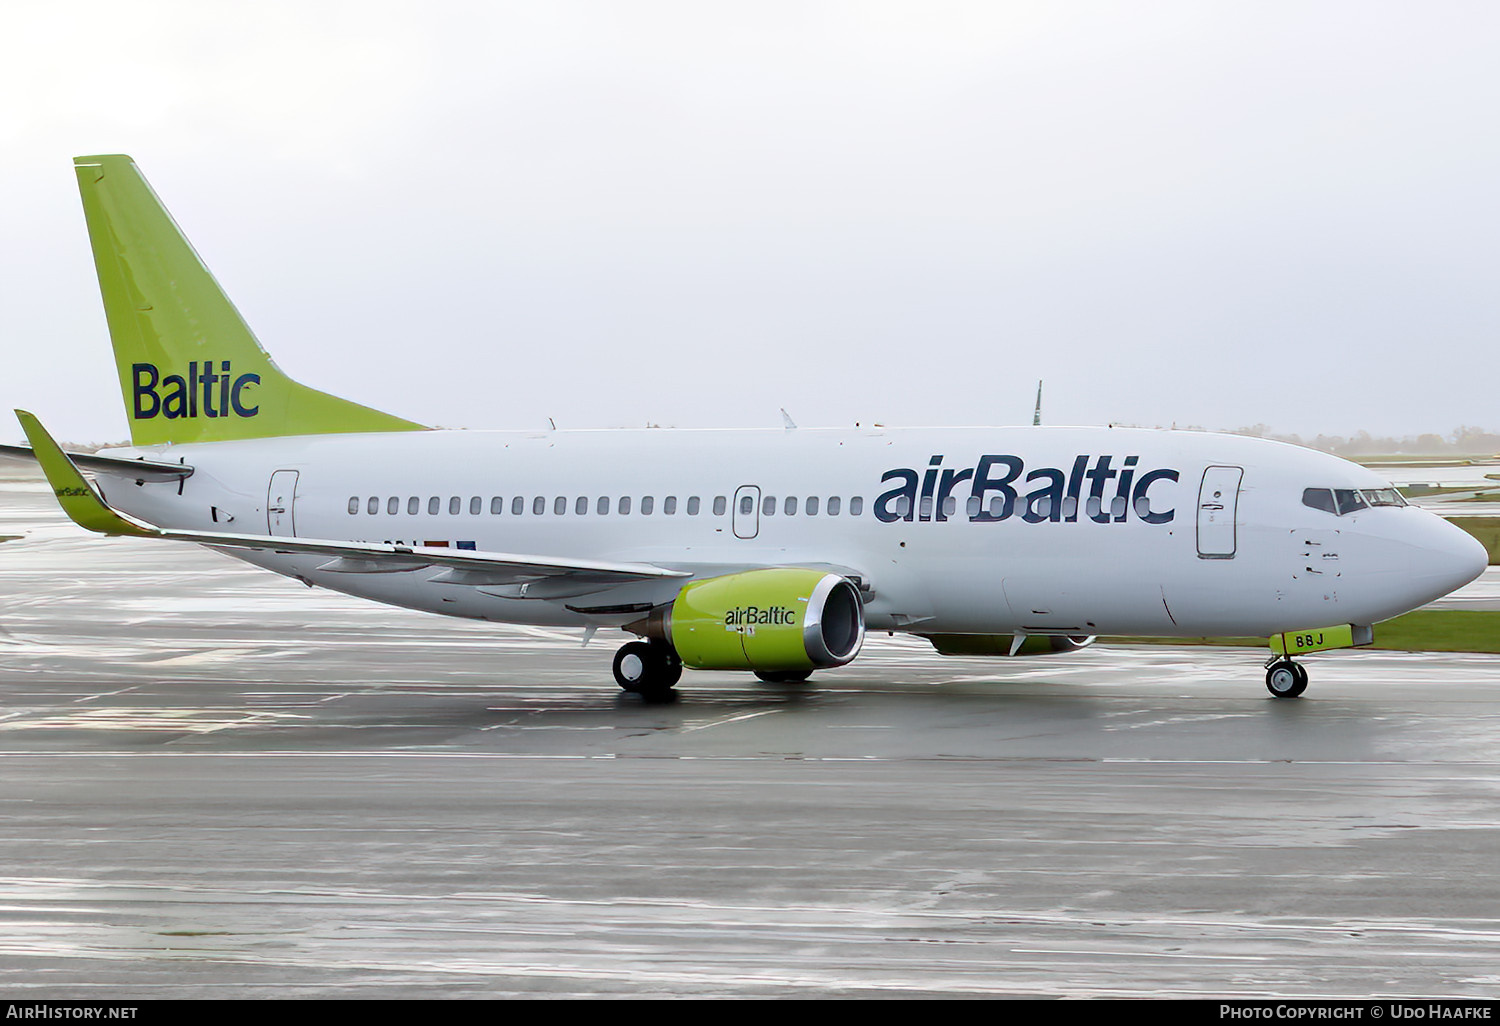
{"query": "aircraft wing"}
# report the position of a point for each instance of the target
(85, 508)
(139, 469)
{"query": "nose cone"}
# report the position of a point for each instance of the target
(1457, 559)
(1434, 558)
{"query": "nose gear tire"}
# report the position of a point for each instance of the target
(1286, 679)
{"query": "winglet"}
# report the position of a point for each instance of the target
(78, 499)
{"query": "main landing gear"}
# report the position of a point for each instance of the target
(648, 669)
(1284, 678)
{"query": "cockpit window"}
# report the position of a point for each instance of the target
(1319, 498)
(1383, 497)
(1340, 501)
(1347, 500)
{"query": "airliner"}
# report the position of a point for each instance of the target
(767, 551)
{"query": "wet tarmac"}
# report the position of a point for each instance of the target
(217, 783)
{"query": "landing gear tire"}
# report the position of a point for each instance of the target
(1286, 679)
(648, 670)
(783, 676)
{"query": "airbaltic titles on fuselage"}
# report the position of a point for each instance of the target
(995, 495)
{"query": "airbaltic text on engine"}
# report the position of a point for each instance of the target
(179, 396)
(752, 616)
(1057, 495)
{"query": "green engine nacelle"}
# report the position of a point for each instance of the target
(777, 619)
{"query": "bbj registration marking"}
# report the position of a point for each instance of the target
(1313, 640)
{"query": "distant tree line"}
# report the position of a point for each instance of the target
(1462, 441)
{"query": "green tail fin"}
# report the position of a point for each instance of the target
(190, 368)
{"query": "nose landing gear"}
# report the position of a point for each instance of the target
(648, 669)
(1285, 678)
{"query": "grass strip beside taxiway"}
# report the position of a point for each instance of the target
(1426, 630)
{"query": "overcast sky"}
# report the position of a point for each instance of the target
(618, 213)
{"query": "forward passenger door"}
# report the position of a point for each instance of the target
(1218, 504)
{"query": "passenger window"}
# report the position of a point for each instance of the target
(581, 507)
(560, 505)
(392, 506)
(373, 506)
(602, 506)
(454, 505)
(811, 506)
(497, 506)
(669, 505)
(538, 506)
(973, 506)
(413, 506)
(950, 505)
(768, 506)
(903, 505)
(517, 506)
(433, 505)
(924, 507)
(647, 504)
(720, 505)
(790, 506)
(624, 505)
(833, 506)
(692, 506)
(353, 505)
(747, 505)
(856, 506)
(476, 506)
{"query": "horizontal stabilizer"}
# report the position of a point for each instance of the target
(119, 466)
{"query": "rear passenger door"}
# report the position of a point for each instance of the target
(280, 496)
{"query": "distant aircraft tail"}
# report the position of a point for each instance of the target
(190, 369)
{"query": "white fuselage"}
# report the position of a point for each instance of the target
(970, 531)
